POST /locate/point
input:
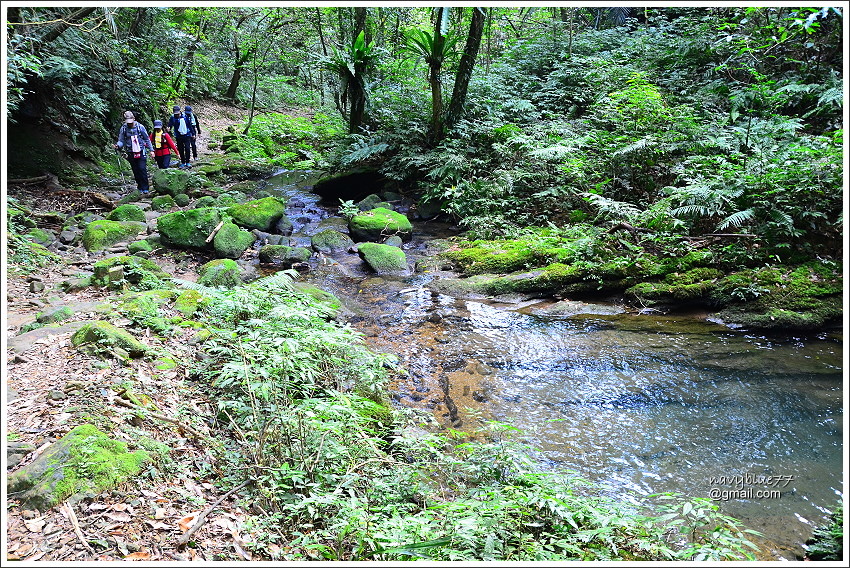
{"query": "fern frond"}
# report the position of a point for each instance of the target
(737, 219)
(635, 147)
(555, 152)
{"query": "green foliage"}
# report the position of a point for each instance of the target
(827, 542)
(291, 142)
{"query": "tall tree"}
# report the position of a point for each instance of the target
(464, 71)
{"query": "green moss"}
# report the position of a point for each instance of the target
(139, 246)
(139, 273)
(260, 214)
(330, 241)
(284, 255)
(693, 285)
(188, 229)
(181, 199)
(127, 212)
(54, 315)
(40, 236)
(162, 202)
(231, 241)
(101, 234)
(491, 258)
(171, 181)
(84, 460)
(220, 273)
(383, 259)
(188, 302)
(102, 335)
(378, 224)
(205, 201)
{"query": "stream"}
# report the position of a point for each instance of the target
(642, 404)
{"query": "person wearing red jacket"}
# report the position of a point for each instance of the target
(162, 145)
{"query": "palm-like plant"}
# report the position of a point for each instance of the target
(351, 65)
(434, 49)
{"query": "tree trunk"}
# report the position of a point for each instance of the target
(434, 66)
(464, 70)
(237, 76)
(60, 28)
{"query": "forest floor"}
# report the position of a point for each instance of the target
(51, 387)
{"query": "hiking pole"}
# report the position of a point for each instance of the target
(118, 157)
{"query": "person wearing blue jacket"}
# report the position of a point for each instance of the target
(134, 139)
(193, 118)
(181, 126)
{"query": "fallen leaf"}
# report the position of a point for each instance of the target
(98, 507)
(123, 507)
(150, 494)
(158, 526)
(186, 522)
(138, 556)
(159, 513)
(120, 517)
(35, 525)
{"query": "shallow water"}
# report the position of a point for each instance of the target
(642, 404)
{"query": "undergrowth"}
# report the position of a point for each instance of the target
(339, 474)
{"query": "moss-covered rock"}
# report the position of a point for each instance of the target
(806, 296)
(691, 286)
(54, 314)
(394, 241)
(40, 236)
(139, 273)
(162, 202)
(101, 234)
(205, 201)
(102, 336)
(260, 214)
(171, 181)
(383, 259)
(330, 241)
(188, 302)
(230, 241)
(283, 255)
(223, 272)
(188, 229)
(378, 224)
(369, 202)
(128, 212)
(491, 257)
(140, 246)
(181, 199)
(85, 460)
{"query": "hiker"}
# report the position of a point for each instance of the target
(183, 132)
(162, 145)
(193, 118)
(135, 140)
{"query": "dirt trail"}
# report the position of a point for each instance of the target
(51, 387)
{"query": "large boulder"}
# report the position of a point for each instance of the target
(127, 212)
(384, 259)
(102, 335)
(330, 241)
(85, 460)
(262, 214)
(355, 185)
(188, 229)
(171, 181)
(162, 202)
(139, 273)
(223, 272)
(283, 255)
(101, 234)
(378, 224)
(231, 241)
